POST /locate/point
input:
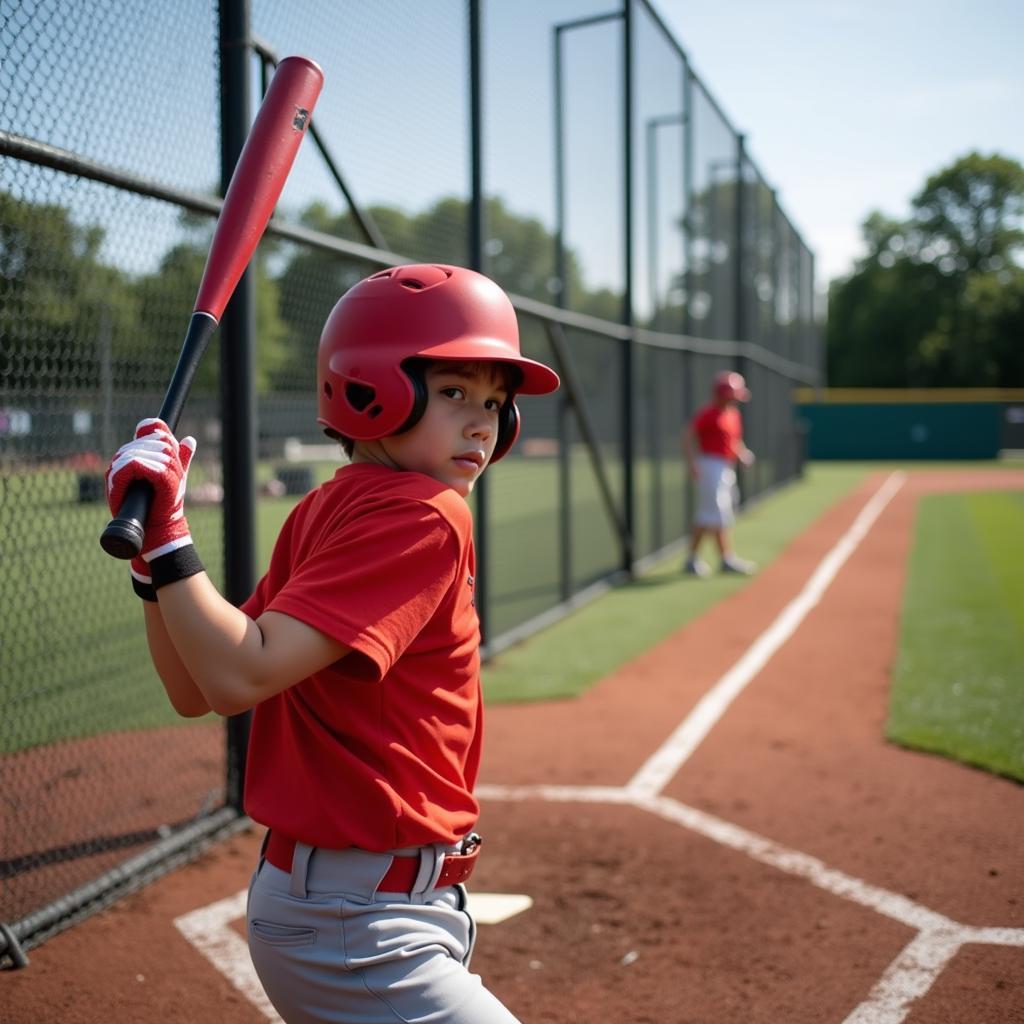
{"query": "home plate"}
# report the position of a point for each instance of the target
(495, 907)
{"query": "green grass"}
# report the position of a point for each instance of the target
(74, 662)
(574, 653)
(73, 658)
(959, 684)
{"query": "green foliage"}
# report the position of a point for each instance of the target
(67, 319)
(957, 684)
(520, 250)
(58, 305)
(970, 214)
(938, 300)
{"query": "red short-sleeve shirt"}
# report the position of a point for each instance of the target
(381, 750)
(719, 430)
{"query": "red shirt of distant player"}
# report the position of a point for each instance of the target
(381, 750)
(719, 430)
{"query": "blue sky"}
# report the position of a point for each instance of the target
(849, 105)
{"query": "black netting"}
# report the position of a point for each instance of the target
(109, 168)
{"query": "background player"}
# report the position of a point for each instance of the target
(358, 653)
(712, 442)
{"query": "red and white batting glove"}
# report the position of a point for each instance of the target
(158, 457)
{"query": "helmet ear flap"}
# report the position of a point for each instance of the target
(508, 429)
(414, 371)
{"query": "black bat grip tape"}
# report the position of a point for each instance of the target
(124, 534)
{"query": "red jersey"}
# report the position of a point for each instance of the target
(719, 430)
(380, 750)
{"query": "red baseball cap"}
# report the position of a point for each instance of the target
(729, 384)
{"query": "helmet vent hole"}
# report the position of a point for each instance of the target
(375, 412)
(412, 284)
(360, 396)
(328, 390)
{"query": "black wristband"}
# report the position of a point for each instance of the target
(175, 565)
(145, 590)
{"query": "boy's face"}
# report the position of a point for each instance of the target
(455, 437)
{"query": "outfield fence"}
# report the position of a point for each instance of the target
(567, 150)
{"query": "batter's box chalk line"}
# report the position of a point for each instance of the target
(909, 977)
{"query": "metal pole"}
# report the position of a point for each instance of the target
(654, 448)
(562, 290)
(739, 305)
(564, 498)
(237, 378)
(653, 197)
(561, 297)
(475, 244)
(739, 262)
(689, 408)
(817, 358)
(652, 218)
(654, 491)
(687, 196)
(628, 443)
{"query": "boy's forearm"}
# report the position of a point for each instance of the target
(185, 697)
(237, 662)
(218, 644)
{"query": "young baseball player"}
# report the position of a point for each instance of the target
(712, 442)
(358, 653)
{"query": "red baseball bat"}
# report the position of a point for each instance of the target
(255, 187)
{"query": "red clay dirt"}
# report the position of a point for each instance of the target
(636, 918)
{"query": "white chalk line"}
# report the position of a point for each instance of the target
(665, 762)
(912, 974)
(209, 930)
(909, 977)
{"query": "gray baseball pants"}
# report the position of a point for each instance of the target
(330, 949)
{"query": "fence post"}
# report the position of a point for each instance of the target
(475, 244)
(237, 379)
(739, 299)
(628, 344)
(739, 263)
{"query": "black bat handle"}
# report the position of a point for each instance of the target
(123, 535)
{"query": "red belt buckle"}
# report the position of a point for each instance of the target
(456, 868)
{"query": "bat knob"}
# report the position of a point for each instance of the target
(122, 538)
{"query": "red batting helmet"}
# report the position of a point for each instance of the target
(729, 384)
(367, 389)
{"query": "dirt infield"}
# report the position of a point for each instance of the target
(775, 860)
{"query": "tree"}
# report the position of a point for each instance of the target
(968, 217)
(937, 300)
(519, 251)
(165, 299)
(61, 310)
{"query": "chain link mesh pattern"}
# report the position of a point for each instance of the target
(97, 278)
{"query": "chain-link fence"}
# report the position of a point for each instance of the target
(564, 149)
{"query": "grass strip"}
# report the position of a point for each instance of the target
(959, 680)
(576, 652)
